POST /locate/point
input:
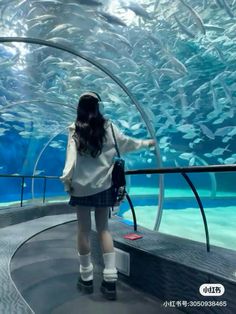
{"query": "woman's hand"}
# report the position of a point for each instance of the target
(150, 143)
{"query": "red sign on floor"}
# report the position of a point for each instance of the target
(133, 236)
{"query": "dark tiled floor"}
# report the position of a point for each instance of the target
(45, 271)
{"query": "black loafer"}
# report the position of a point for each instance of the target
(85, 286)
(108, 288)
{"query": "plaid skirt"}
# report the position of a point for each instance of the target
(102, 199)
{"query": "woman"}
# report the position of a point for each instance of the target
(87, 178)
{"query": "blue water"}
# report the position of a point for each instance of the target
(182, 218)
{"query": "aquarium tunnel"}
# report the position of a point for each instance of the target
(164, 70)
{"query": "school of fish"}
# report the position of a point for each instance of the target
(177, 58)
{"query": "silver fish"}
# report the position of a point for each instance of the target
(214, 99)
(185, 128)
(186, 156)
(110, 18)
(58, 29)
(156, 5)
(224, 131)
(230, 160)
(61, 40)
(109, 64)
(206, 131)
(169, 72)
(120, 38)
(218, 2)
(178, 65)
(214, 28)
(184, 28)
(220, 53)
(227, 92)
(227, 8)
(138, 10)
(47, 2)
(196, 17)
(42, 18)
(219, 151)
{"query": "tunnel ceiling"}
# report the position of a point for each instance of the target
(176, 57)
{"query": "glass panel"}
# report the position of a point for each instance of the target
(10, 191)
(181, 215)
(144, 195)
(221, 213)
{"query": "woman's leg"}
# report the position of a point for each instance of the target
(105, 238)
(106, 241)
(84, 230)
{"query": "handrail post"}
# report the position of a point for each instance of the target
(132, 210)
(44, 189)
(186, 177)
(22, 191)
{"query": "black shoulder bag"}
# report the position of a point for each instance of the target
(118, 174)
(119, 182)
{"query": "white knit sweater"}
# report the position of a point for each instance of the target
(85, 175)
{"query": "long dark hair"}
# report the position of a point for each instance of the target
(89, 126)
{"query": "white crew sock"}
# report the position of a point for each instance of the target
(110, 271)
(86, 267)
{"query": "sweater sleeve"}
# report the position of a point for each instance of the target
(71, 153)
(126, 143)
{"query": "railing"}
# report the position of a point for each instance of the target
(213, 168)
(182, 170)
(23, 177)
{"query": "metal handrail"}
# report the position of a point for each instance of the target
(28, 176)
(212, 168)
(181, 170)
(23, 181)
(186, 177)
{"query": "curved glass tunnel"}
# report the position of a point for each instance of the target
(177, 58)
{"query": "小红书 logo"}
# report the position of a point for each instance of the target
(212, 289)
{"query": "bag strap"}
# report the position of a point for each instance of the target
(115, 141)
